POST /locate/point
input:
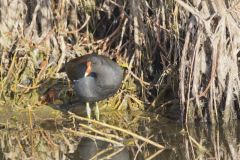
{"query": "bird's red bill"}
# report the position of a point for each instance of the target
(89, 68)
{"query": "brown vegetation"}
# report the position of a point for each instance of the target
(209, 76)
(154, 40)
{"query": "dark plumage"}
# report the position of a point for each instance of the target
(95, 77)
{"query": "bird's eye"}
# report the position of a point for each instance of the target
(93, 74)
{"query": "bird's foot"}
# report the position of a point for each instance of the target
(88, 109)
(97, 112)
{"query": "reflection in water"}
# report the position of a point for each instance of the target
(96, 149)
(199, 141)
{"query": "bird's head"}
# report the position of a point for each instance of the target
(92, 66)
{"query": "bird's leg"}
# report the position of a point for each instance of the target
(97, 111)
(88, 109)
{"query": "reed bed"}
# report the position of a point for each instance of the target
(180, 60)
(177, 55)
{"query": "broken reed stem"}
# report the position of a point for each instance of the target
(119, 129)
(101, 133)
(110, 156)
(155, 154)
(101, 153)
(94, 137)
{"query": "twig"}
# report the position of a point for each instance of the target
(155, 154)
(93, 136)
(101, 133)
(118, 129)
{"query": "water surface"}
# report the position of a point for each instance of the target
(49, 138)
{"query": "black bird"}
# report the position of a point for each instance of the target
(95, 77)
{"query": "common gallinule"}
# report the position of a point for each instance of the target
(95, 77)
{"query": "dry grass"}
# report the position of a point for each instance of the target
(209, 75)
(170, 50)
(150, 39)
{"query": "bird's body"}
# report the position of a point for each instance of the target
(95, 77)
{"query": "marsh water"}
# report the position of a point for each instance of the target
(63, 137)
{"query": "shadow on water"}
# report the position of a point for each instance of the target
(50, 140)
